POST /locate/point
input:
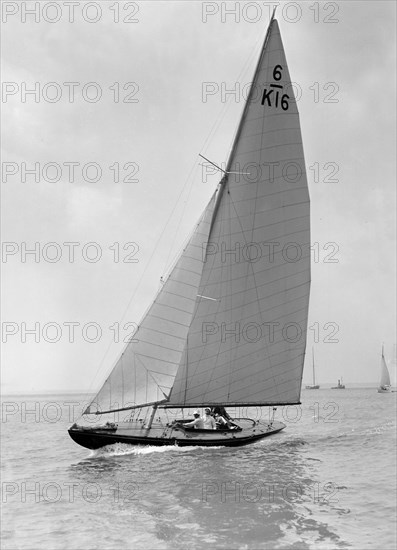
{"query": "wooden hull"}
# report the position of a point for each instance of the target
(159, 435)
(384, 390)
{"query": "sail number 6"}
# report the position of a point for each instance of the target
(275, 88)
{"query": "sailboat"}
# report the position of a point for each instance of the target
(384, 386)
(228, 325)
(313, 386)
(340, 385)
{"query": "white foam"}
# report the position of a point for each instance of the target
(122, 449)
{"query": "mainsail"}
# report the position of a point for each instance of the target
(229, 325)
(247, 344)
(384, 376)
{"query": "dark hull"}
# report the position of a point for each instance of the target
(92, 439)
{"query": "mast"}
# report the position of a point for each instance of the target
(187, 363)
(152, 416)
(314, 376)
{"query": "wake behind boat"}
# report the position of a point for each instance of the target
(227, 328)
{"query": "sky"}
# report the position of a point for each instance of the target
(118, 173)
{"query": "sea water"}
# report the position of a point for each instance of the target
(326, 481)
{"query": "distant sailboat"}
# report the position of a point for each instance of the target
(198, 343)
(313, 386)
(340, 385)
(384, 386)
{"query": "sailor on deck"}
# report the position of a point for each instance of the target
(196, 423)
(209, 421)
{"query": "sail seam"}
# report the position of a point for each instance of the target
(159, 372)
(276, 266)
(269, 210)
(303, 257)
(179, 296)
(246, 356)
(173, 307)
(186, 270)
(156, 345)
(267, 195)
(268, 147)
(254, 316)
(272, 131)
(268, 269)
(277, 223)
(162, 332)
(168, 320)
(279, 386)
(272, 115)
(259, 372)
(266, 298)
(266, 379)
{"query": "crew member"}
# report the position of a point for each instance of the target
(208, 420)
(197, 423)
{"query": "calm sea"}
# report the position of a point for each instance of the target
(326, 481)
